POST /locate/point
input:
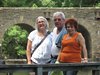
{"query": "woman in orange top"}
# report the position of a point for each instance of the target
(72, 44)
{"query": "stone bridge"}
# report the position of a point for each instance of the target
(88, 18)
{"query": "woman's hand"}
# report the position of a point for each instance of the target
(57, 62)
(84, 60)
(29, 62)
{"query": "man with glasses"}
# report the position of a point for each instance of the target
(58, 32)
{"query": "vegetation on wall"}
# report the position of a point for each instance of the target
(98, 4)
(14, 43)
(49, 3)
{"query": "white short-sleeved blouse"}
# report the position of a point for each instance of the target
(43, 53)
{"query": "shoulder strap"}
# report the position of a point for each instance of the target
(41, 42)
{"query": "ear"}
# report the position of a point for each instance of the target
(64, 21)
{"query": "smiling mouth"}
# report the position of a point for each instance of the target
(70, 30)
(41, 26)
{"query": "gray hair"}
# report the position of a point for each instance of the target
(45, 20)
(59, 14)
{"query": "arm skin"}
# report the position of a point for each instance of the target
(81, 41)
(58, 58)
(28, 52)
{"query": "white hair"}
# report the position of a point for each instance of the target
(59, 14)
(45, 20)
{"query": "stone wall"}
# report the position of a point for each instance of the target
(88, 18)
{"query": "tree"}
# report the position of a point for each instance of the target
(14, 43)
(49, 3)
(97, 4)
(17, 3)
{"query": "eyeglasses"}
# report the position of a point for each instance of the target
(57, 19)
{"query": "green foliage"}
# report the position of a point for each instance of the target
(17, 3)
(49, 3)
(1, 4)
(14, 43)
(97, 5)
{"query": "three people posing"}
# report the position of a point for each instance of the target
(64, 44)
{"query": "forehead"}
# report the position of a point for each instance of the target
(40, 19)
(69, 25)
(58, 16)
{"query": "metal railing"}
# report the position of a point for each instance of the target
(40, 68)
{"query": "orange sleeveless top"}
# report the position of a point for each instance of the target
(71, 51)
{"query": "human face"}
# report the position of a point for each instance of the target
(70, 28)
(58, 21)
(41, 24)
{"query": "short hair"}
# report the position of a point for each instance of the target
(59, 14)
(45, 20)
(72, 22)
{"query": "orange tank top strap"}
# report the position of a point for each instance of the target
(76, 35)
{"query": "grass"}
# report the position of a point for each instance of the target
(17, 73)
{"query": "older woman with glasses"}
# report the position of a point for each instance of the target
(42, 54)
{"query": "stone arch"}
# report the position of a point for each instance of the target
(87, 37)
(27, 27)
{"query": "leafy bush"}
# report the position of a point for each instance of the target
(97, 5)
(14, 42)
